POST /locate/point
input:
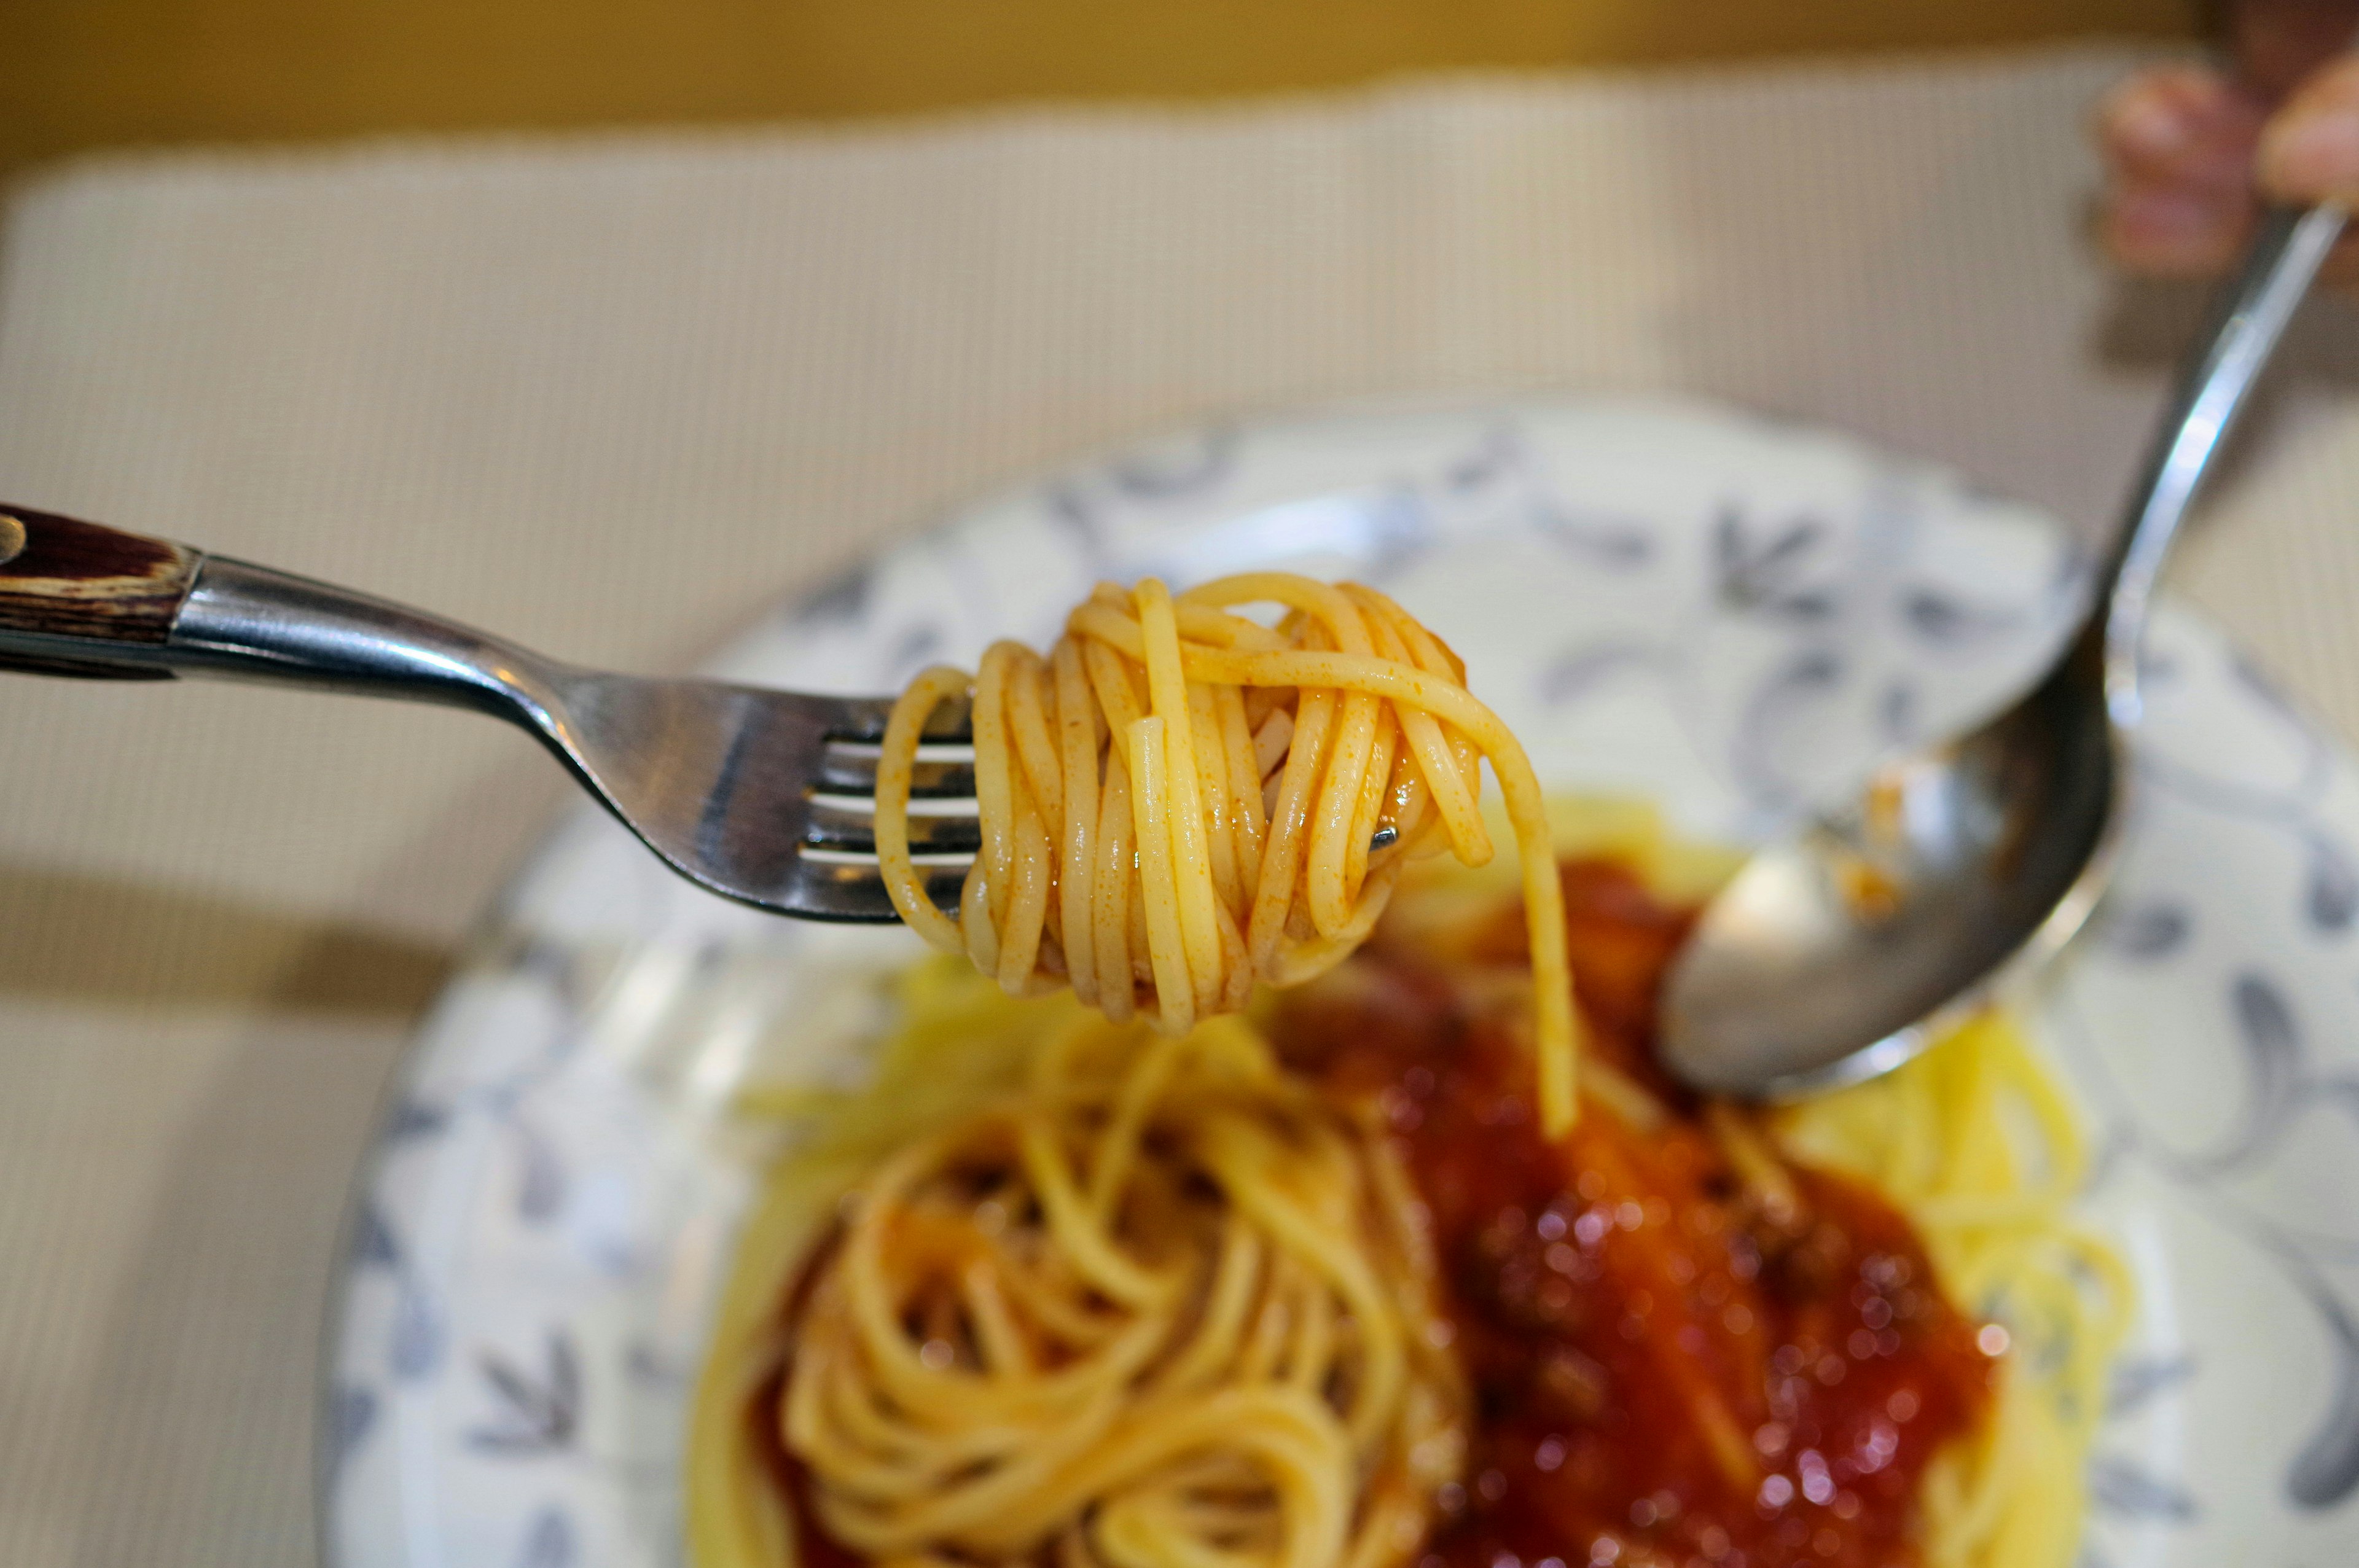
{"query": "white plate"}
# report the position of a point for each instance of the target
(1721, 612)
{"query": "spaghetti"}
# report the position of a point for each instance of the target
(1161, 1305)
(1322, 1291)
(1178, 801)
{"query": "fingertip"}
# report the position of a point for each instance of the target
(2146, 116)
(2312, 155)
(2178, 123)
(2167, 233)
(2310, 150)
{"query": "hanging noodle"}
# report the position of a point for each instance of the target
(1179, 802)
(1161, 1306)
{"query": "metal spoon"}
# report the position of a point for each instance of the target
(1840, 954)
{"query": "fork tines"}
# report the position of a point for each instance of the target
(944, 834)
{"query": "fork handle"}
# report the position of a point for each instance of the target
(79, 599)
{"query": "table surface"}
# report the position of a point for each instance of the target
(613, 395)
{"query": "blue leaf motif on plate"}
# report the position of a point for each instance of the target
(351, 1411)
(2330, 894)
(2271, 1038)
(533, 1412)
(1605, 539)
(2138, 1381)
(1767, 577)
(2258, 682)
(1400, 529)
(548, 1540)
(417, 1333)
(2150, 930)
(415, 1119)
(1946, 621)
(917, 647)
(1814, 605)
(1584, 669)
(1897, 713)
(1070, 511)
(839, 602)
(2326, 1470)
(1498, 453)
(373, 1242)
(541, 1185)
(2120, 1486)
(1167, 474)
(652, 1366)
(1811, 672)
(555, 964)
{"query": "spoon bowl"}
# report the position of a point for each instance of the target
(1842, 952)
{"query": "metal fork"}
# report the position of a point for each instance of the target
(764, 797)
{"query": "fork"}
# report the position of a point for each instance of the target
(764, 797)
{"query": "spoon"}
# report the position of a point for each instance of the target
(1841, 953)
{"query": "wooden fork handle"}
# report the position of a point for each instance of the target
(79, 599)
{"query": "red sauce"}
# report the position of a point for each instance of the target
(1663, 1374)
(789, 1476)
(815, 1548)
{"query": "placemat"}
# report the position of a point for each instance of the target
(613, 395)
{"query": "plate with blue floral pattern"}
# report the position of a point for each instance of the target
(1729, 615)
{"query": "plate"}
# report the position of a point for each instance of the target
(1728, 614)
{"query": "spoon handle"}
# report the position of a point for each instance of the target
(2247, 321)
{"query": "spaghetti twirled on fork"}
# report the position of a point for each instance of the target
(1178, 801)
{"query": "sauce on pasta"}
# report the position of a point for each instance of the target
(1666, 1365)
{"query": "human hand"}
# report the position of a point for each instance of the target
(2191, 151)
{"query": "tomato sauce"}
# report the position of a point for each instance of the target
(814, 1547)
(1666, 1369)
(764, 1413)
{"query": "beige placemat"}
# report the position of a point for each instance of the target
(611, 396)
